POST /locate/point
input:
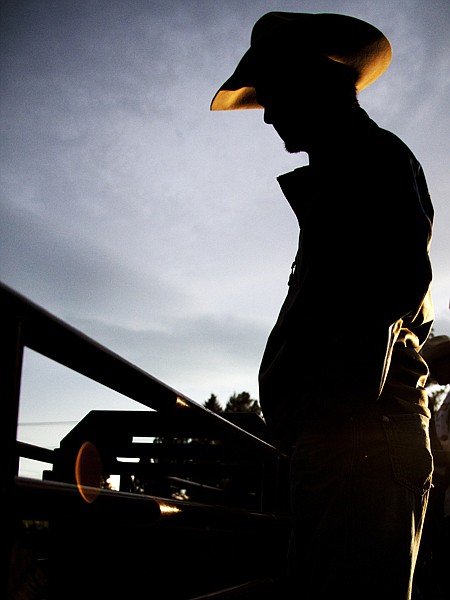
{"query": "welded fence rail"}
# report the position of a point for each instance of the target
(232, 478)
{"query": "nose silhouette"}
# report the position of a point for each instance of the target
(268, 116)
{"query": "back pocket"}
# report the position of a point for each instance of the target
(410, 450)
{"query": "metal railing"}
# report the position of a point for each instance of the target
(26, 325)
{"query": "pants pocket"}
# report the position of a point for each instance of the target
(410, 451)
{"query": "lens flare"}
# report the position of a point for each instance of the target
(88, 471)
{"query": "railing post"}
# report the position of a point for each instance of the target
(10, 376)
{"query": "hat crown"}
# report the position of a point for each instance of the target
(342, 38)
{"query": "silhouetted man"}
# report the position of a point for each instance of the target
(341, 379)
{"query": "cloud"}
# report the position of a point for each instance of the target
(71, 275)
(196, 355)
(134, 213)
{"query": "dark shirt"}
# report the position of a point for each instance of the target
(358, 308)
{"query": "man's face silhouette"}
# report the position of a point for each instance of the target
(291, 113)
(300, 102)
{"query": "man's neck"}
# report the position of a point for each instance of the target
(334, 143)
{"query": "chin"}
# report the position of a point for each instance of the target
(293, 148)
(294, 143)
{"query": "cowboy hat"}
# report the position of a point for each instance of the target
(341, 38)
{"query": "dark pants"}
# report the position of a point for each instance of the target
(359, 492)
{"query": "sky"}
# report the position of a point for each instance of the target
(151, 224)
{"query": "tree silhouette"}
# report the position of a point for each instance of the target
(213, 404)
(243, 403)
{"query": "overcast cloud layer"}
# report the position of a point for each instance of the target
(156, 227)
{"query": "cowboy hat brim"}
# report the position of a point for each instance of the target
(341, 38)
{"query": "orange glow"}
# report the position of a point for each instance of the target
(244, 97)
(167, 509)
(182, 403)
(88, 471)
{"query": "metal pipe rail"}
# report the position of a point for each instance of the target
(31, 326)
(26, 325)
